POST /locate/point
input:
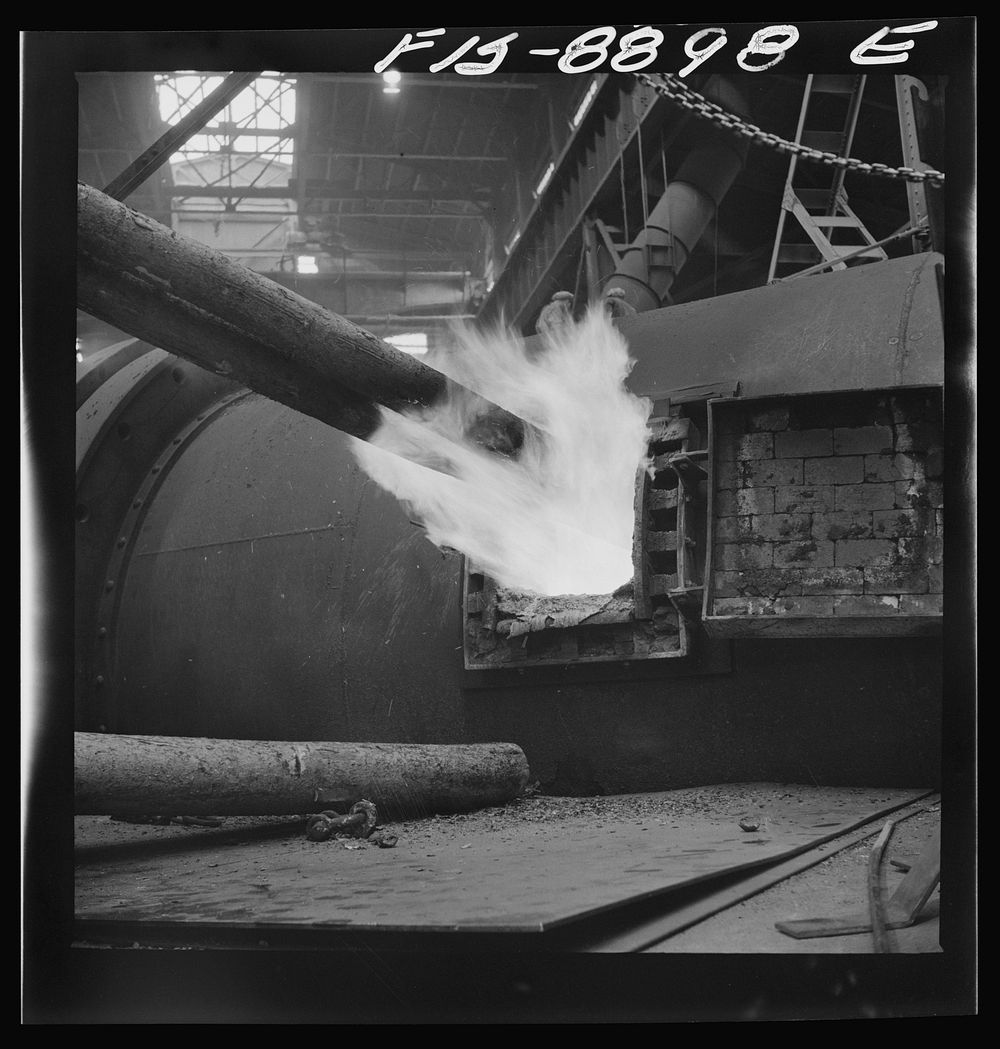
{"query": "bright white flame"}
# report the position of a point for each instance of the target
(392, 76)
(559, 518)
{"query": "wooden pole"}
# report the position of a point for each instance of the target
(174, 775)
(186, 298)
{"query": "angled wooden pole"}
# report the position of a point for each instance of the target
(188, 299)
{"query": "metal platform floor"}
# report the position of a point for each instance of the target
(666, 871)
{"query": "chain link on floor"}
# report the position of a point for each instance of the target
(672, 88)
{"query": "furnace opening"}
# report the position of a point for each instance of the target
(650, 616)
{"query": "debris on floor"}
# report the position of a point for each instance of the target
(163, 821)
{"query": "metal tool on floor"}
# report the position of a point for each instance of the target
(358, 823)
(902, 910)
(876, 902)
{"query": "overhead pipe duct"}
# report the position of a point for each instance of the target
(650, 265)
(195, 302)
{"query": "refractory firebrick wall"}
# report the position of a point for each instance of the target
(829, 506)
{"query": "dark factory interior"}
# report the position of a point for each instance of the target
(320, 708)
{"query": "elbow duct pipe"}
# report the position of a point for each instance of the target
(650, 265)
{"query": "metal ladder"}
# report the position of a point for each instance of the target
(819, 205)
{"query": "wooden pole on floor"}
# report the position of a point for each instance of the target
(168, 775)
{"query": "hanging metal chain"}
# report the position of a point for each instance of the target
(676, 91)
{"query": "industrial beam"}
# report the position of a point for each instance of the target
(319, 191)
(400, 158)
(190, 300)
(290, 131)
(144, 165)
(235, 130)
(430, 215)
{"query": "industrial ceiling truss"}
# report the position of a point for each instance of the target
(526, 185)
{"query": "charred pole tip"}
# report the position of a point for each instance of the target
(197, 303)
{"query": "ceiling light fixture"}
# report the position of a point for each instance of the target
(581, 109)
(545, 179)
